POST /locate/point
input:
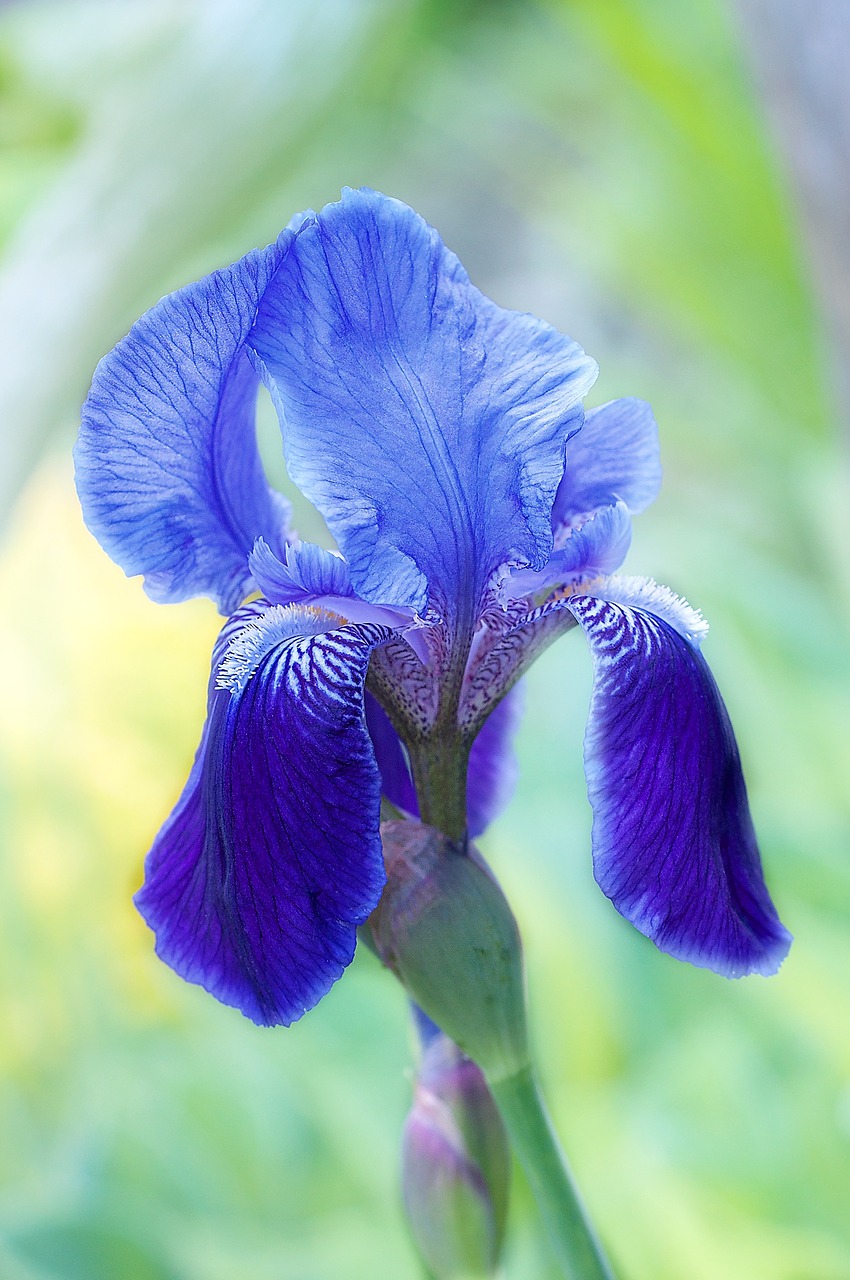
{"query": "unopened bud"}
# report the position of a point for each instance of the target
(455, 1166)
(444, 927)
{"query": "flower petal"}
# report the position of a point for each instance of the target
(257, 882)
(168, 471)
(615, 455)
(425, 423)
(305, 572)
(396, 781)
(493, 766)
(310, 575)
(596, 548)
(673, 842)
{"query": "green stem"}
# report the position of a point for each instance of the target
(530, 1130)
(440, 763)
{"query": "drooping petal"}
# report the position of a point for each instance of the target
(168, 471)
(614, 456)
(257, 882)
(425, 423)
(493, 767)
(596, 548)
(673, 842)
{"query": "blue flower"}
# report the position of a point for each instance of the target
(479, 513)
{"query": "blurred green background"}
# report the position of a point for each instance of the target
(607, 165)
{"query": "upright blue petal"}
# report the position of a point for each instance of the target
(673, 842)
(257, 882)
(614, 456)
(168, 471)
(425, 423)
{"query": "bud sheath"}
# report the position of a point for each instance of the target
(444, 927)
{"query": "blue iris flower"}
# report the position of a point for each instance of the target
(479, 513)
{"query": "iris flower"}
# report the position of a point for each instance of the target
(479, 513)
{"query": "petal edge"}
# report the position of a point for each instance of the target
(168, 471)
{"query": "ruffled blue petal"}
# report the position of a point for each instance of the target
(673, 842)
(257, 882)
(168, 471)
(305, 572)
(615, 455)
(596, 548)
(310, 575)
(425, 423)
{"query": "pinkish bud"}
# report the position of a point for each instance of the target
(455, 1166)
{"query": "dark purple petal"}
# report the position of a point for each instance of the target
(614, 456)
(493, 766)
(673, 843)
(424, 422)
(257, 882)
(396, 782)
(168, 470)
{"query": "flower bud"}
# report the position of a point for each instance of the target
(455, 1166)
(444, 927)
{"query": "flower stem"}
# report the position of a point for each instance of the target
(530, 1130)
(440, 765)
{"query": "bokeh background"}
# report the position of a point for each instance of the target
(664, 182)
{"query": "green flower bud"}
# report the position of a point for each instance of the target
(455, 1166)
(444, 927)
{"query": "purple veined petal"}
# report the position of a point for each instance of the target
(425, 423)
(272, 857)
(596, 549)
(673, 842)
(493, 766)
(615, 455)
(168, 470)
(516, 632)
(305, 571)
(310, 575)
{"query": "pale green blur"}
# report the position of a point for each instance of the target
(603, 164)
